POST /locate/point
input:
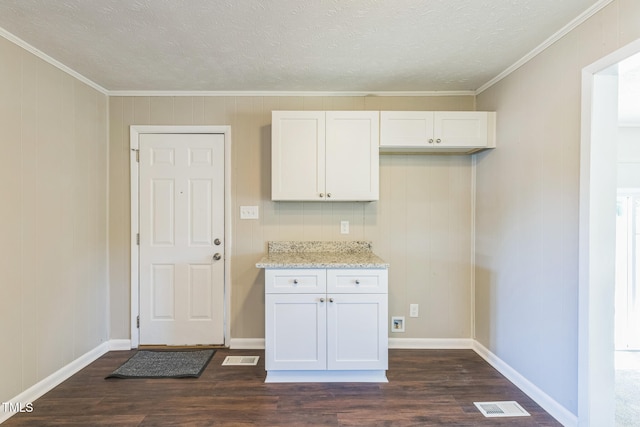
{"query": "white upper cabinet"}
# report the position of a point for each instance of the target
(437, 131)
(325, 156)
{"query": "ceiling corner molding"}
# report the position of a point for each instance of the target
(26, 46)
(548, 42)
(288, 93)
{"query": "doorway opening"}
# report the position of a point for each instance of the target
(627, 272)
(605, 116)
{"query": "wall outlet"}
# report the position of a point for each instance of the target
(414, 310)
(344, 227)
(249, 212)
(397, 324)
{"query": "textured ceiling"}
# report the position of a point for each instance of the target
(288, 45)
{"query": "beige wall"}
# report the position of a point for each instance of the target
(528, 207)
(421, 225)
(53, 233)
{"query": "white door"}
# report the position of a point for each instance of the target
(181, 227)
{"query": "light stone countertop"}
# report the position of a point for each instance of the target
(295, 254)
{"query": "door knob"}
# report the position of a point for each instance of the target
(217, 256)
(217, 242)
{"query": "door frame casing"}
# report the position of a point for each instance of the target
(595, 295)
(134, 138)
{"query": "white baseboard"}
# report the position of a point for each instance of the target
(246, 343)
(119, 345)
(557, 411)
(431, 343)
(48, 383)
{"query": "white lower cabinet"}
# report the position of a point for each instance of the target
(338, 333)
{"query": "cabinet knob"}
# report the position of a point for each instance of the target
(330, 299)
(321, 195)
(321, 299)
(328, 194)
(295, 281)
(438, 141)
(357, 282)
(430, 140)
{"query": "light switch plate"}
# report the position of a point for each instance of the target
(414, 310)
(249, 212)
(344, 227)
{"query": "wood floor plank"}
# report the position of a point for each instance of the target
(426, 388)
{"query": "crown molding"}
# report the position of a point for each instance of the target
(26, 46)
(286, 93)
(548, 42)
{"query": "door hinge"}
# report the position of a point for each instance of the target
(138, 239)
(138, 322)
(137, 154)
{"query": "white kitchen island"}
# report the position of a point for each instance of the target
(326, 312)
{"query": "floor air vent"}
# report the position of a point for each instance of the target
(501, 409)
(240, 361)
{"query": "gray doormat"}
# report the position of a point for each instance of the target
(164, 364)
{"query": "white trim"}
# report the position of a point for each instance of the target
(119, 345)
(544, 45)
(378, 376)
(559, 412)
(593, 377)
(135, 132)
(246, 344)
(45, 385)
(472, 279)
(288, 93)
(26, 46)
(431, 343)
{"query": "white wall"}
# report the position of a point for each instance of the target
(528, 205)
(53, 206)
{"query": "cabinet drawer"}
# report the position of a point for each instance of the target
(287, 281)
(353, 281)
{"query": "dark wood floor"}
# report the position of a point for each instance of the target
(426, 388)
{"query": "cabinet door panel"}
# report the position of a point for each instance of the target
(357, 332)
(295, 336)
(352, 155)
(461, 128)
(406, 128)
(297, 155)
